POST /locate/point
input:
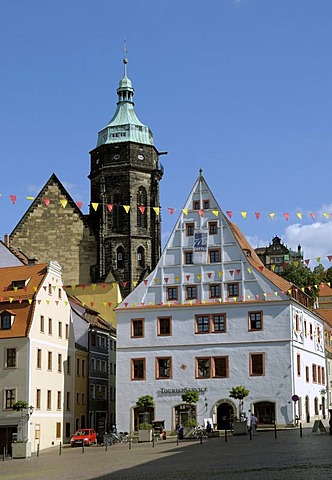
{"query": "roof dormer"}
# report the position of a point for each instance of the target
(6, 319)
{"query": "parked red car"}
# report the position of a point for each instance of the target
(85, 436)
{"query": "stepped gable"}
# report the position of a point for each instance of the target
(32, 276)
(226, 258)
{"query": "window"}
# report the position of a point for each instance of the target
(92, 391)
(6, 321)
(103, 366)
(310, 330)
(59, 362)
(213, 228)
(172, 293)
(77, 398)
(232, 289)
(49, 289)
(257, 364)
(49, 361)
(163, 367)
(297, 322)
(314, 373)
(137, 327)
(255, 321)
(77, 366)
(215, 291)
(58, 430)
(138, 369)
(10, 397)
(42, 324)
(67, 331)
(10, 357)
(298, 364)
(319, 374)
(196, 205)
(305, 327)
(103, 342)
(68, 365)
(68, 401)
(206, 204)
(120, 257)
(98, 365)
(60, 329)
(58, 401)
(188, 257)
(93, 339)
(190, 227)
(307, 374)
(191, 292)
(202, 367)
(50, 326)
(39, 358)
(220, 367)
(214, 256)
(323, 376)
(83, 368)
(59, 293)
(141, 257)
(38, 396)
(202, 324)
(219, 323)
(164, 326)
(49, 400)
(93, 364)
(83, 399)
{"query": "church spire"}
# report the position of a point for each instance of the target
(125, 125)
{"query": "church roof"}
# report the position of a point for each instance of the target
(206, 249)
(125, 125)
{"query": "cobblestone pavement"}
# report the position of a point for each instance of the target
(265, 457)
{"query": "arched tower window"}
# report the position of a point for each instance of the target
(142, 208)
(141, 257)
(120, 257)
(117, 211)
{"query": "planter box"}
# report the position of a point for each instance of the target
(21, 450)
(240, 428)
(145, 435)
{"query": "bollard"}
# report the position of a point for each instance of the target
(153, 440)
(225, 435)
(4, 453)
(201, 437)
(300, 429)
(130, 440)
(37, 449)
(275, 431)
(60, 449)
(83, 447)
(106, 442)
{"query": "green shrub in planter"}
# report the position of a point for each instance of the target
(145, 426)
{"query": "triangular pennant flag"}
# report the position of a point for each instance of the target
(57, 302)
(187, 278)
(286, 215)
(209, 274)
(127, 208)
(276, 294)
(234, 299)
(124, 284)
(244, 215)
(46, 201)
(141, 209)
(44, 287)
(79, 204)
(92, 304)
(39, 302)
(312, 215)
(272, 214)
(296, 263)
(326, 215)
(185, 211)
(261, 268)
(15, 289)
(157, 210)
(238, 271)
(318, 259)
(166, 280)
(201, 212)
(257, 296)
(145, 282)
(171, 210)
(329, 258)
(299, 215)
(64, 203)
(13, 198)
(30, 300)
(156, 280)
(135, 282)
(307, 261)
(20, 300)
(199, 276)
(177, 278)
(109, 304)
(219, 274)
(47, 302)
(231, 272)
(215, 213)
(94, 285)
(11, 299)
(94, 206)
(109, 206)
(273, 267)
(257, 215)
(249, 269)
(229, 213)
(30, 198)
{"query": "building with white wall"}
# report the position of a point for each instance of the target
(211, 317)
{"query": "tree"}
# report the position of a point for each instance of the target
(302, 277)
(190, 396)
(145, 401)
(239, 393)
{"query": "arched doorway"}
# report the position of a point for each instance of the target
(225, 416)
(265, 412)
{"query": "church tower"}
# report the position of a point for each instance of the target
(124, 210)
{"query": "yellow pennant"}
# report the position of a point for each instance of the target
(94, 205)
(157, 210)
(234, 299)
(185, 211)
(177, 279)
(15, 289)
(134, 283)
(30, 300)
(47, 302)
(244, 215)
(156, 280)
(35, 289)
(318, 259)
(296, 263)
(30, 198)
(199, 276)
(299, 215)
(66, 303)
(276, 294)
(326, 215)
(264, 294)
(73, 287)
(134, 304)
(272, 214)
(94, 285)
(249, 297)
(249, 269)
(127, 208)
(64, 203)
(11, 299)
(273, 267)
(215, 212)
(219, 274)
(219, 300)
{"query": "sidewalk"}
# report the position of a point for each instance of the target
(264, 457)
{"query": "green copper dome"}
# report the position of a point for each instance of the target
(124, 125)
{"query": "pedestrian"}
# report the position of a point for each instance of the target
(208, 427)
(253, 424)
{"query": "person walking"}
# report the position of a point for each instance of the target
(253, 424)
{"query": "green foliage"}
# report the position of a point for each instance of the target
(239, 393)
(20, 405)
(190, 396)
(190, 423)
(145, 426)
(302, 277)
(145, 401)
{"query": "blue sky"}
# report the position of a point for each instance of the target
(239, 88)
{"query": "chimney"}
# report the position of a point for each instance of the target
(6, 238)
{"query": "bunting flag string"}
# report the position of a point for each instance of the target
(243, 214)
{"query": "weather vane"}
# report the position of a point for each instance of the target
(125, 60)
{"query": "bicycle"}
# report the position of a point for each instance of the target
(198, 432)
(121, 437)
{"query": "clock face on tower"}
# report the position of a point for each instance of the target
(140, 157)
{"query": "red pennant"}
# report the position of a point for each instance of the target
(13, 198)
(57, 302)
(201, 212)
(257, 296)
(238, 271)
(307, 261)
(44, 287)
(109, 304)
(284, 264)
(231, 272)
(103, 285)
(145, 282)
(5, 289)
(39, 301)
(142, 303)
(312, 215)
(171, 210)
(187, 278)
(25, 288)
(141, 209)
(64, 287)
(257, 215)
(286, 215)
(47, 201)
(126, 304)
(20, 300)
(166, 280)
(261, 268)
(92, 304)
(209, 274)
(79, 204)
(83, 286)
(109, 206)
(124, 284)
(229, 213)
(1, 299)
(329, 258)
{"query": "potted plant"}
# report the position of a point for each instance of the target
(240, 424)
(190, 397)
(145, 406)
(21, 448)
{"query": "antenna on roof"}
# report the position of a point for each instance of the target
(125, 60)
